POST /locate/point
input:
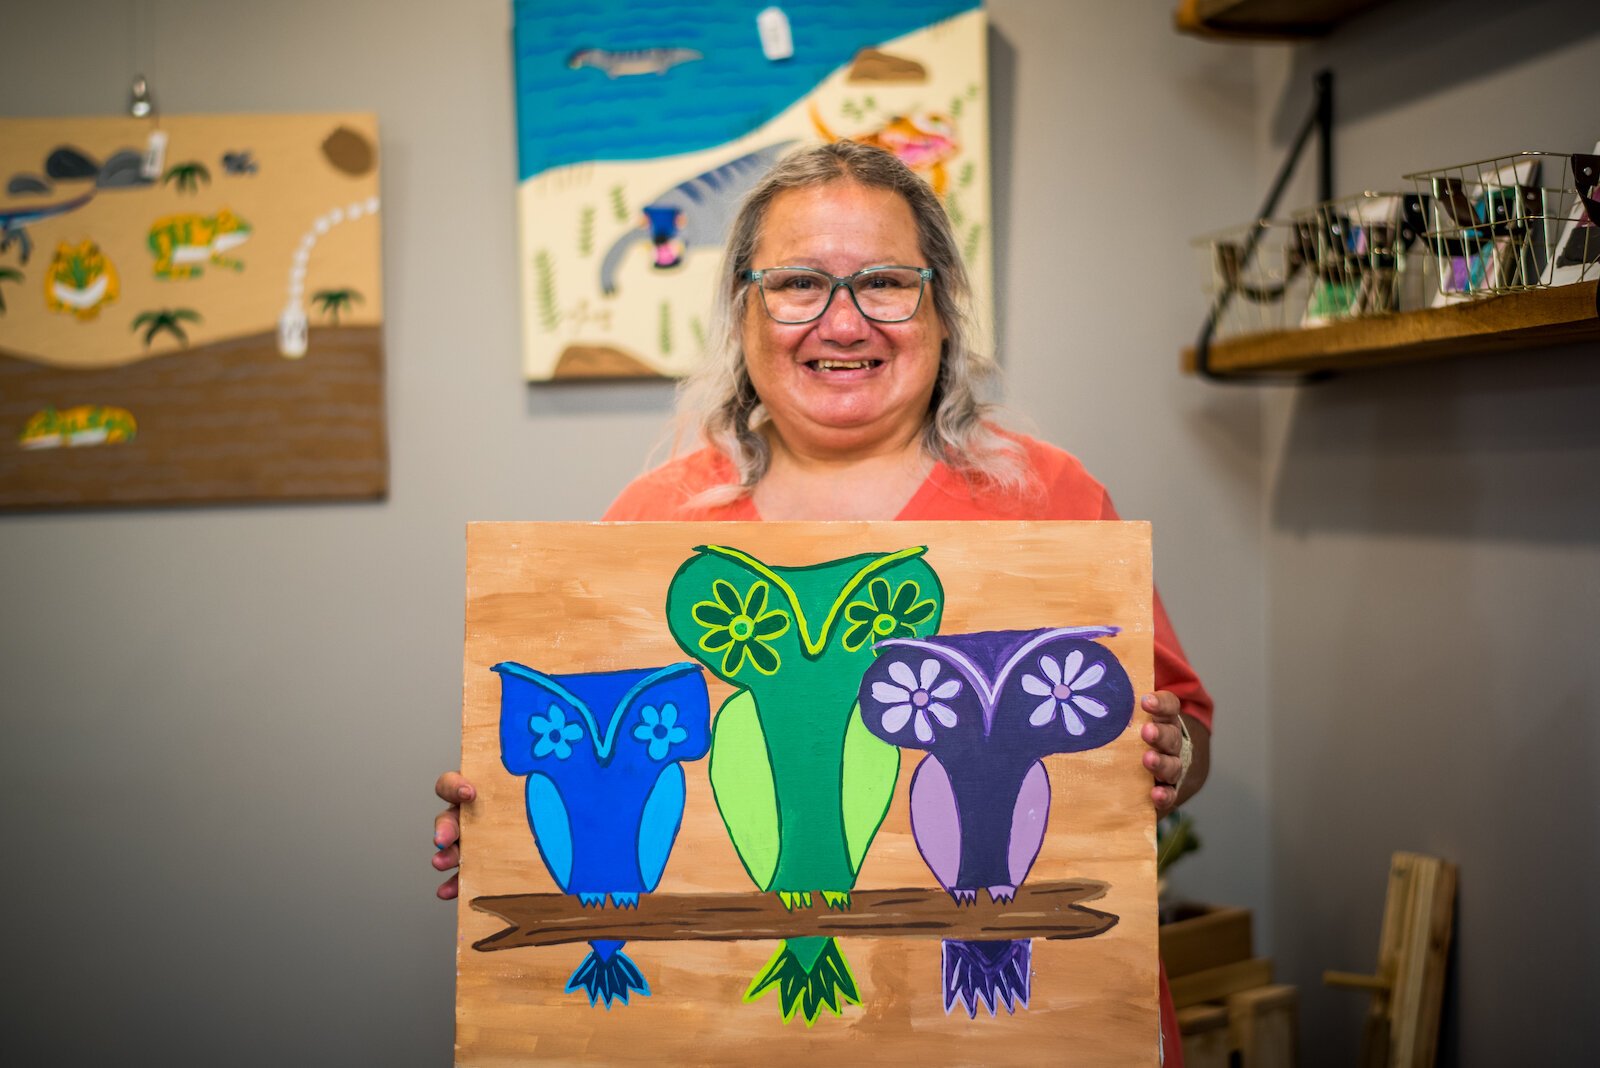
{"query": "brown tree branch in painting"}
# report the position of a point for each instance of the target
(1047, 910)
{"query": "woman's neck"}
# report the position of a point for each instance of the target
(874, 485)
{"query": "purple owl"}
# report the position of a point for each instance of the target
(988, 708)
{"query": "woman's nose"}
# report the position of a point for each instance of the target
(842, 321)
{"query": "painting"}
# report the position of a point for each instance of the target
(640, 129)
(191, 310)
(1577, 248)
(806, 791)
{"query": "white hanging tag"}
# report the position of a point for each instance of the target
(155, 155)
(776, 40)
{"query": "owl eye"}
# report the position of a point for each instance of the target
(916, 698)
(886, 613)
(1067, 685)
(553, 734)
(660, 730)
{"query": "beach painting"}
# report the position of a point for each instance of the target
(640, 129)
(191, 310)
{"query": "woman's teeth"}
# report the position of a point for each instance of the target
(843, 365)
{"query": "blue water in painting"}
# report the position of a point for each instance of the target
(572, 116)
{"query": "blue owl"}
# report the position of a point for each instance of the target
(603, 756)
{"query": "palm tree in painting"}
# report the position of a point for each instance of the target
(169, 319)
(7, 274)
(187, 176)
(334, 301)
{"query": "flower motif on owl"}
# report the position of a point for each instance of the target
(740, 627)
(915, 699)
(554, 733)
(660, 730)
(1065, 687)
(884, 615)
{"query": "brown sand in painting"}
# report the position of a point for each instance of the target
(231, 421)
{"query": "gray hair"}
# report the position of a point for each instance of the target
(718, 400)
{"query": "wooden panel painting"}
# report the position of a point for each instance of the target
(190, 310)
(641, 127)
(797, 791)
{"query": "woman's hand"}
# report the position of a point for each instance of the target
(453, 788)
(1164, 736)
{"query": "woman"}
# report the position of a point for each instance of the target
(861, 404)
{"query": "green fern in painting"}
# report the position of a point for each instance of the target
(188, 177)
(586, 231)
(170, 320)
(974, 239)
(333, 301)
(665, 329)
(545, 271)
(619, 206)
(7, 274)
(952, 208)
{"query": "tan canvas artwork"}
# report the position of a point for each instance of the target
(790, 793)
(191, 309)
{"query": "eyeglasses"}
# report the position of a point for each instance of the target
(800, 294)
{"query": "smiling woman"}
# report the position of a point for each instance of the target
(841, 385)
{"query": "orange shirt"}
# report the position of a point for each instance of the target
(1066, 491)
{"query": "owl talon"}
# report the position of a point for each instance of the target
(592, 900)
(795, 898)
(836, 899)
(625, 901)
(1002, 894)
(965, 897)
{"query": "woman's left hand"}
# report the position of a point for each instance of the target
(1164, 736)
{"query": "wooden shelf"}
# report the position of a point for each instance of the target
(1531, 319)
(1276, 19)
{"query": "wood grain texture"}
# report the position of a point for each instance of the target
(1532, 319)
(591, 597)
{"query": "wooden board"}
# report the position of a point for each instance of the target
(1213, 938)
(1562, 315)
(592, 597)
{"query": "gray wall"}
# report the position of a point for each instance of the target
(221, 725)
(1433, 576)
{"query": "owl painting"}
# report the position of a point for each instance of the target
(800, 782)
(603, 753)
(988, 708)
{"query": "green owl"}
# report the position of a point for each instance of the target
(801, 783)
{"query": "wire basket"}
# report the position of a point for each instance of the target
(1512, 223)
(1256, 277)
(1368, 256)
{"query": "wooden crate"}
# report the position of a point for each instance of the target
(1205, 937)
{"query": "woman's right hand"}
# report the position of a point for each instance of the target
(457, 791)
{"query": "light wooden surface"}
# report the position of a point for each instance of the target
(583, 597)
(1214, 984)
(1205, 1036)
(1402, 1025)
(1274, 19)
(1220, 936)
(1516, 321)
(1262, 1026)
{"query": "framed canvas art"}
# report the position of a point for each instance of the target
(807, 793)
(191, 310)
(641, 127)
